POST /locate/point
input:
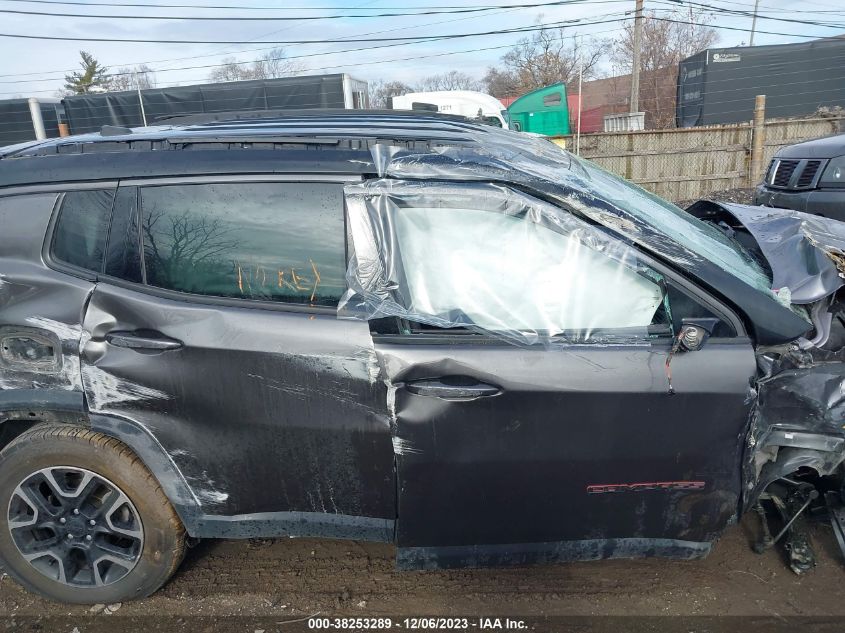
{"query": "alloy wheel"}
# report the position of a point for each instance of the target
(75, 526)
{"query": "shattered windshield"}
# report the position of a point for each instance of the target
(605, 198)
(701, 238)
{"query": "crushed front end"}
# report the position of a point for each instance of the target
(796, 441)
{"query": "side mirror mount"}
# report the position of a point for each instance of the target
(695, 332)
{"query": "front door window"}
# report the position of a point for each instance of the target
(496, 260)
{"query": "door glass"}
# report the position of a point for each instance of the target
(260, 241)
(495, 260)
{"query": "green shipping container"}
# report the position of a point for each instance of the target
(542, 111)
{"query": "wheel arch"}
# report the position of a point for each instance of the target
(22, 409)
(158, 462)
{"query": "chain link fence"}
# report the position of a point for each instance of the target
(691, 163)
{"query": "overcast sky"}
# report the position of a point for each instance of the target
(49, 60)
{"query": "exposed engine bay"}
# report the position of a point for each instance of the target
(796, 444)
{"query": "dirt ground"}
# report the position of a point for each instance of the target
(293, 578)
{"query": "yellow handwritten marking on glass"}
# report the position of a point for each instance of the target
(286, 279)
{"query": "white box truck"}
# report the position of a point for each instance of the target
(468, 103)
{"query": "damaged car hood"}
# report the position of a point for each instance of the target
(805, 253)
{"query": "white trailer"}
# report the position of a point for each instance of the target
(468, 103)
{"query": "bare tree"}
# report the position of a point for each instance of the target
(546, 57)
(452, 80)
(664, 45)
(141, 77)
(230, 70)
(276, 64)
(501, 83)
(188, 243)
(381, 92)
(269, 66)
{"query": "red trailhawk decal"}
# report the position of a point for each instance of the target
(595, 489)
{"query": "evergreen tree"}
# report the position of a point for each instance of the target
(92, 75)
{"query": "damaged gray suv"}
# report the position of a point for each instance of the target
(397, 327)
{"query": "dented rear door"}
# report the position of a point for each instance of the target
(214, 331)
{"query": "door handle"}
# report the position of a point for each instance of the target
(131, 340)
(437, 388)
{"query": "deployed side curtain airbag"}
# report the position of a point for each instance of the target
(492, 259)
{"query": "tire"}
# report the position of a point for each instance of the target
(112, 491)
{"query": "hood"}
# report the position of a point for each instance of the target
(805, 253)
(829, 147)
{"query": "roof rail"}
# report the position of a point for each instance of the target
(247, 115)
(114, 130)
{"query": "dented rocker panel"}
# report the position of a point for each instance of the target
(545, 553)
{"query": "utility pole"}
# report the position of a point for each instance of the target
(758, 140)
(754, 23)
(580, 95)
(140, 99)
(635, 65)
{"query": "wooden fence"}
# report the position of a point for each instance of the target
(690, 163)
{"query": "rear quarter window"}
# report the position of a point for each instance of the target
(79, 238)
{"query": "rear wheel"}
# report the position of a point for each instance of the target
(83, 520)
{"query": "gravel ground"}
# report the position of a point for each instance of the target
(289, 579)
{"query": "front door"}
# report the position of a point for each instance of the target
(534, 414)
(215, 329)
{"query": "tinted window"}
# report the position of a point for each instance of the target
(267, 241)
(82, 228)
(123, 258)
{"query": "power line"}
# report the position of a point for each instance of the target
(740, 12)
(834, 9)
(734, 28)
(421, 38)
(367, 4)
(733, 3)
(269, 48)
(405, 42)
(253, 8)
(555, 3)
(410, 58)
(252, 50)
(240, 63)
(835, 57)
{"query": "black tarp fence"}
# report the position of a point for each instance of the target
(89, 112)
(16, 121)
(718, 85)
